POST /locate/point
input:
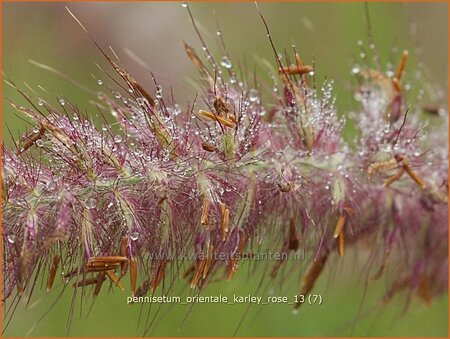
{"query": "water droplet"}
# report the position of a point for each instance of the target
(62, 101)
(41, 102)
(36, 130)
(39, 143)
(99, 82)
(176, 110)
(219, 33)
(134, 236)
(184, 5)
(90, 203)
(11, 239)
(225, 62)
(158, 92)
(51, 185)
(253, 95)
(355, 70)
(118, 139)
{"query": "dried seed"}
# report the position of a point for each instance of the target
(208, 147)
(385, 165)
(413, 175)
(205, 209)
(86, 282)
(224, 219)
(401, 65)
(221, 107)
(339, 225)
(232, 267)
(393, 178)
(143, 92)
(100, 279)
(199, 64)
(312, 273)
(159, 275)
(291, 70)
(30, 139)
(286, 187)
(197, 273)
(214, 117)
(423, 291)
(341, 243)
(108, 259)
(100, 267)
(52, 272)
(115, 279)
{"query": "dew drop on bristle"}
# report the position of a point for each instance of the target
(118, 139)
(62, 101)
(39, 143)
(100, 82)
(176, 110)
(355, 70)
(158, 92)
(90, 203)
(184, 4)
(225, 62)
(11, 239)
(134, 236)
(253, 95)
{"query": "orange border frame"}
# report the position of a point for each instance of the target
(322, 1)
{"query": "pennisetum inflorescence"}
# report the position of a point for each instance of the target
(231, 171)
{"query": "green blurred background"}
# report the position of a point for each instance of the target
(154, 31)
